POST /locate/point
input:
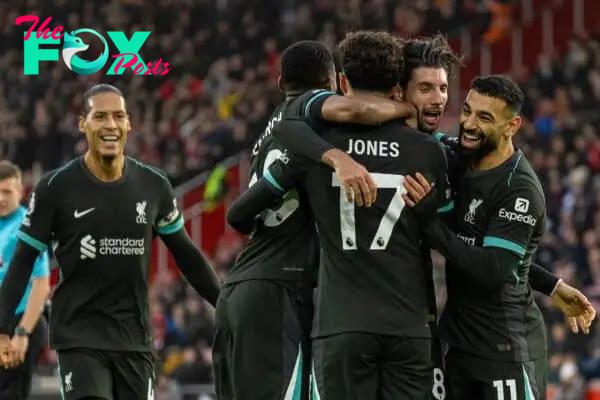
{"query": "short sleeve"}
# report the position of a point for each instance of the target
(36, 230)
(169, 219)
(515, 219)
(314, 105)
(41, 268)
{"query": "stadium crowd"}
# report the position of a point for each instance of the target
(215, 102)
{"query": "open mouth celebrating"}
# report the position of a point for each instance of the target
(432, 117)
(470, 139)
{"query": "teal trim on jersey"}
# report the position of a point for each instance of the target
(59, 170)
(448, 207)
(514, 169)
(173, 227)
(492, 241)
(315, 97)
(438, 136)
(150, 168)
(60, 378)
(527, 385)
(314, 389)
(272, 181)
(294, 389)
(36, 244)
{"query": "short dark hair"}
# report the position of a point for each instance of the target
(371, 60)
(306, 65)
(500, 87)
(9, 170)
(432, 52)
(94, 90)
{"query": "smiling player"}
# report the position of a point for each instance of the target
(102, 212)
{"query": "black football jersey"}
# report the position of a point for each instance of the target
(284, 245)
(373, 275)
(101, 234)
(503, 207)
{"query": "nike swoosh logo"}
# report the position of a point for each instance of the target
(79, 214)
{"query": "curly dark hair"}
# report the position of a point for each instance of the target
(432, 52)
(371, 60)
(500, 87)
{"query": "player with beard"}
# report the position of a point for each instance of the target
(494, 329)
(264, 312)
(101, 212)
(382, 348)
(428, 64)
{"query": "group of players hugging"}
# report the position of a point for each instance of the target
(332, 297)
(352, 185)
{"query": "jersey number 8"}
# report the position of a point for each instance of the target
(272, 218)
(388, 221)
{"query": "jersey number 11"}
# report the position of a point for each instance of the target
(387, 222)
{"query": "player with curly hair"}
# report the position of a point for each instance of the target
(370, 335)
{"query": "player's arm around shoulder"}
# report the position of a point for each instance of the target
(169, 224)
(368, 110)
(282, 176)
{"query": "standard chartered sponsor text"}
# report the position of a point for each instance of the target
(122, 247)
(90, 248)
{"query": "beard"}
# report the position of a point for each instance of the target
(481, 146)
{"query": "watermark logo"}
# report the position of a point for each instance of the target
(128, 56)
(73, 45)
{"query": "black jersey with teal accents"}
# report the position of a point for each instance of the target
(503, 208)
(102, 235)
(373, 276)
(284, 244)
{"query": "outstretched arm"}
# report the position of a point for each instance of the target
(190, 260)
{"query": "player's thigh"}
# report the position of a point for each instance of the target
(84, 373)
(262, 349)
(297, 314)
(133, 375)
(514, 381)
(345, 366)
(15, 382)
(223, 346)
(406, 370)
(459, 384)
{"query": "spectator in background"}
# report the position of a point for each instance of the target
(215, 102)
(571, 384)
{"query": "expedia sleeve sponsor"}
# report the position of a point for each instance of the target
(520, 216)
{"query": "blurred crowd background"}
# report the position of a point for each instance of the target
(215, 102)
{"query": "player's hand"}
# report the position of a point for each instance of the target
(575, 306)
(416, 189)
(16, 354)
(356, 181)
(5, 347)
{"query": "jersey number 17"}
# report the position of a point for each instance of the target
(387, 222)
